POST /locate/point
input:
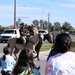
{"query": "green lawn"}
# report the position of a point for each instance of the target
(47, 47)
(73, 46)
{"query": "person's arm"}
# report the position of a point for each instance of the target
(49, 67)
(21, 32)
(48, 70)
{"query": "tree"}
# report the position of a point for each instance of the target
(57, 26)
(36, 23)
(1, 29)
(67, 26)
(18, 22)
(50, 26)
(41, 23)
(45, 25)
(53, 28)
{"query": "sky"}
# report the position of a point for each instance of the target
(28, 10)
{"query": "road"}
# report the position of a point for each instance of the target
(41, 63)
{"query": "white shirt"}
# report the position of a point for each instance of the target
(61, 64)
(8, 64)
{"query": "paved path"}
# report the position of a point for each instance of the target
(42, 62)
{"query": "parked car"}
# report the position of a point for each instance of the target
(8, 34)
(43, 31)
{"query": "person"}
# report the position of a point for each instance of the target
(6, 62)
(25, 64)
(33, 31)
(54, 36)
(30, 30)
(22, 33)
(61, 60)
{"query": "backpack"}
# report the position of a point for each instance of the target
(25, 72)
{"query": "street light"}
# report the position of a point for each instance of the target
(14, 13)
(42, 18)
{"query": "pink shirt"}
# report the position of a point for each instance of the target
(61, 64)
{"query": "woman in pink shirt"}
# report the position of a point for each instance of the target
(61, 61)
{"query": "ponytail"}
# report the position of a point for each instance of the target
(4, 58)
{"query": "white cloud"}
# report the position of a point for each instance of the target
(3, 15)
(6, 8)
(39, 1)
(8, 11)
(59, 18)
(67, 5)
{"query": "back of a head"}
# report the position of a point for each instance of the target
(24, 60)
(62, 43)
(26, 55)
(6, 51)
(22, 24)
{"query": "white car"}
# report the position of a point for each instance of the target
(8, 34)
(43, 31)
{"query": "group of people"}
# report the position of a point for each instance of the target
(31, 29)
(60, 61)
(24, 64)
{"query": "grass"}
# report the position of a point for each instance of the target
(73, 46)
(47, 47)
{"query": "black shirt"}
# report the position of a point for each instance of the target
(22, 30)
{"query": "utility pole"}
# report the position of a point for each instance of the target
(14, 13)
(48, 20)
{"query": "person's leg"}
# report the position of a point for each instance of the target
(24, 39)
(34, 49)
